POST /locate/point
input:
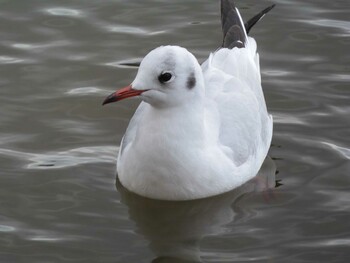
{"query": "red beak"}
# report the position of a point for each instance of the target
(121, 94)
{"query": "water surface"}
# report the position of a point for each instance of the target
(59, 197)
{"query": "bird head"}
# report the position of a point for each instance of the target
(168, 76)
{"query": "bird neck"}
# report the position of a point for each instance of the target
(184, 123)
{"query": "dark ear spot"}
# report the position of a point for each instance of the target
(191, 81)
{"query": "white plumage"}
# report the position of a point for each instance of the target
(203, 132)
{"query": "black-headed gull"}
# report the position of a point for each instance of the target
(200, 130)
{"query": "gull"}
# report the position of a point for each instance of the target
(200, 130)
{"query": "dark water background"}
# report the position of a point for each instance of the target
(58, 197)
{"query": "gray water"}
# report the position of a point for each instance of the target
(59, 200)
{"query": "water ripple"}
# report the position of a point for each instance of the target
(325, 243)
(63, 159)
(339, 24)
(4, 228)
(12, 60)
(337, 77)
(135, 63)
(345, 152)
(287, 118)
(58, 11)
(31, 46)
(86, 91)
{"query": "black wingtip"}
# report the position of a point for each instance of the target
(251, 22)
(232, 25)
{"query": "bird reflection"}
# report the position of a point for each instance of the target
(175, 228)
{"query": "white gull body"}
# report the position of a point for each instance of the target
(203, 132)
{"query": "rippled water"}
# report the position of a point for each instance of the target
(59, 200)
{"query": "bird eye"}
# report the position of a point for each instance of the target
(165, 77)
